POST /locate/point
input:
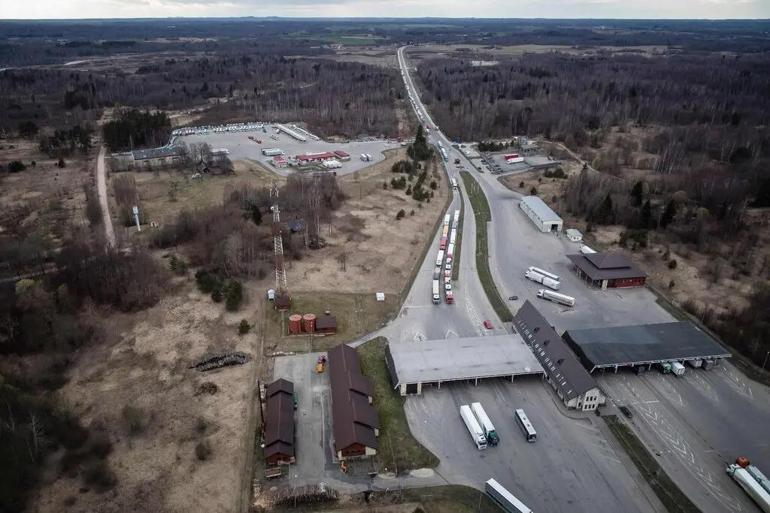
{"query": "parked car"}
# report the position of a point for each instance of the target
(488, 324)
(625, 410)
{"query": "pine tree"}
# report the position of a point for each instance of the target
(637, 192)
(668, 214)
(647, 215)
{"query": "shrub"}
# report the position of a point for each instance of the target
(533, 191)
(203, 450)
(216, 295)
(99, 444)
(521, 184)
(134, 419)
(207, 282)
(99, 475)
(671, 284)
(243, 327)
(16, 166)
(233, 295)
(61, 163)
(672, 264)
(177, 265)
(201, 425)
(401, 214)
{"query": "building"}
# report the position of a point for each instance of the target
(146, 159)
(643, 345)
(608, 270)
(574, 235)
(342, 155)
(291, 133)
(326, 324)
(312, 158)
(355, 424)
(279, 423)
(279, 161)
(433, 362)
(544, 219)
(563, 371)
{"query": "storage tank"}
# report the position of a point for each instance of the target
(295, 324)
(308, 323)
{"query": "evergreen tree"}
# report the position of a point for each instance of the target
(419, 150)
(668, 214)
(637, 192)
(605, 214)
(647, 215)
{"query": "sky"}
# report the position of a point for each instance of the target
(713, 9)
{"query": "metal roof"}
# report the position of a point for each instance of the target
(354, 418)
(606, 266)
(559, 362)
(541, 210)
(156, 153)
(279, 419)
(455, 359)
(644, 343)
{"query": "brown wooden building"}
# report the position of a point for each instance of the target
(608, 270)
(279, 423)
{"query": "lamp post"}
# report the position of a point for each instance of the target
(765, 362)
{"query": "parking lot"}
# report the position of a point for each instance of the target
(571, 468)
(241, 147)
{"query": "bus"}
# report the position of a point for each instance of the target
(526, 426)
(504, 498)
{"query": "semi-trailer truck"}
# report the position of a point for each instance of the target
(486, 424)
(453, 235)
(436, 297)
(439, 257)
(543, 272)
(677, 368)
(473, 427)
(562, 299)
(539, 278)
(754, 490)
(759, 477)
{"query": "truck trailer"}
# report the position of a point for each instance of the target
(473, 427)
(677, 368)
(486, 424)
(562, 299)
(752, 488)
(759, 477)
(439, 257)
(544, 280)
(436, 297)
(543, 272)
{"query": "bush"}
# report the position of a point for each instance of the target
(16, 166)
(203, 450)
(134, 419)
(99, 445)
(61, 163)
(233, 295)
(207, 282)
(533, 191)
(401, 214)
(177, 265)
(672, 264)
(99, 475)
(216, 295)
(243, 327)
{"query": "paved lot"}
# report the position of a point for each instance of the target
(698, 423)
(570, 469)
(241, 147)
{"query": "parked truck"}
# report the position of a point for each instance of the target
(544, 280)
(677, 368)
(750, 485)
(436, 297)
(759, 477)
(439, 257)
(486, 424)
(543, 272)
(562, 299)
(473, 427)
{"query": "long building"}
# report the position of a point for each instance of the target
(563, 371)
(607, 270)
(541, 215)
(434, 362)
(354, 419)
(646, 344)
(279, 423)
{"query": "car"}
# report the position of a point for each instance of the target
(625, 410)
(448, 286)
(448, 267)
(513, 298)
(488, 324)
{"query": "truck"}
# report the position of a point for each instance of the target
(450, 250)
(454, 182)
(439, 258)
(447, 218)
(453, 236)
(486, 424)
(450, 298)
(539, 278)
(456, 219)
(436, 297)
(695, 364)
(272, 152)
(543, 272)
(752, 488)
(677, 368)
(562, 299)
(477, 435)
(442, 243)
(665, 368)
(759, 477)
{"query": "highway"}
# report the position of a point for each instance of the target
(695, 425)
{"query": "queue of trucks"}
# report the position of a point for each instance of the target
(444, 259)
(752, 480)
(479, 426)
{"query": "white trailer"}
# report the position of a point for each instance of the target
(750, 486)
(436, 297)
(544, 273)
(454, 183)
(539, 278)
(586, 250)
(677, 368)
(439, 257)
(447, 218)
(473, 427)
(486, 424)
(450, 251)
(456, 219)
(453, 236)
(272, 152)
(759, 477)
(505, 499)
(562, 299)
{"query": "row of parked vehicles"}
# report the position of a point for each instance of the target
(553, 283)
(483, 432)
(209, 129)
(445, 259)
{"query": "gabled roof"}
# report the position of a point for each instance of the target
(559, 362)
(540, 209)
(354, 419)
(279, 419)
(609, 260)
(279, 385)
(154, 153)
(606, 266)
(325, 321)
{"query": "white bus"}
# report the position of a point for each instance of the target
(544, 273)
(526, 426)
(504, 498)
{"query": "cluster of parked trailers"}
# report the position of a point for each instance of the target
(483, 432)
(752, 480)
(445, 259)
(551, 281)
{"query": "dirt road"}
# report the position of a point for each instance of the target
(101, 186)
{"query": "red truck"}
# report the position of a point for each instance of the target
(442, 243)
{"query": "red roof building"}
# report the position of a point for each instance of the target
(315, 157)
(279, 423)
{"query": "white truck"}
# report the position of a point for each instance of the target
(750, 486)
(677, 368)
(539, 278)
(543, 272)
(453, 236)
(450, 251)
(439, 257)
(436, 296)
(486, 424)
(456, 219)
(759, 477)
(562, 299)
(454, 183)
(447, 218)
(473, 427)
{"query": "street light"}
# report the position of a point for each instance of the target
(765, 362)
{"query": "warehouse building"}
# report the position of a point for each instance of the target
(355, 424)
(544, 219)
(434, 362)
(607, 270)
(311, 158)
(643, 345)
(146, 159)
(279, 423)
(563, 371)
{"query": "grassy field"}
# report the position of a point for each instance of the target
(399, 451)
(667, 491)
(357, 315)
(483, 216)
